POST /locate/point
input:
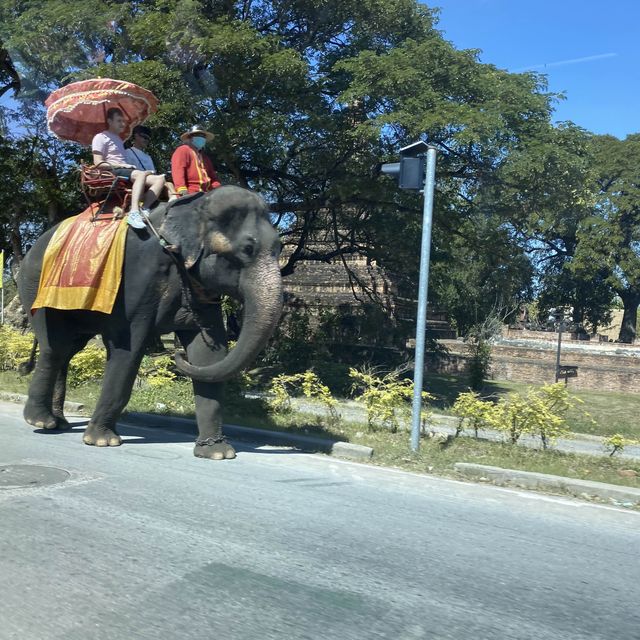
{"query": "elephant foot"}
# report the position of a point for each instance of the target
(61, 422)
(41, 418)
(214, 449)
(98, 436)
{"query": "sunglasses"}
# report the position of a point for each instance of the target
(144, 136)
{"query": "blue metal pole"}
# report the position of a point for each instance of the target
(425, 253)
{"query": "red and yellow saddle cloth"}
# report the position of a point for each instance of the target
(82, 266)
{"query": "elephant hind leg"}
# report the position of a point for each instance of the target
(38, 410)
(44, 408)
(59, 393)
(60, 387)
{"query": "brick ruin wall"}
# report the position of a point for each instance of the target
(611, 370)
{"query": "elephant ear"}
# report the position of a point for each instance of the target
(184, 226)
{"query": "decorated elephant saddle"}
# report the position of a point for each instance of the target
(82, 266)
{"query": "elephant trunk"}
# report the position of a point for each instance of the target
(260, 289)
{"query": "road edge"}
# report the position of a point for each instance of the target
(619, 494)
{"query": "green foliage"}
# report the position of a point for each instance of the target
(386, 398)
(174, 397)
(471, 408)
(539, 412)
(157, 372)
(547, 189)
(479, 362)
(87, 365)
(294, 347)
(609, 239)
(616, 443)
(308, 384)
(15, 347)
(305, 99)
(479, 349)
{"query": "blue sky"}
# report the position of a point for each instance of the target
(591, 50)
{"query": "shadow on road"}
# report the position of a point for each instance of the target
(155, 434)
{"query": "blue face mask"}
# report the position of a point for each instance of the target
(198, 142)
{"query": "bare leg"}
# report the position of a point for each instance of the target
(155, 185)
(137, 191)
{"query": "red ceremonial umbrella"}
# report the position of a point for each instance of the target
(78, 110)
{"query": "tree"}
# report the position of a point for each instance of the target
(9, 78)
(546, 191)
(610, 237)
(306, 99)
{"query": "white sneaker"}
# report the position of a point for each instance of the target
(135, 220)
(145, 213)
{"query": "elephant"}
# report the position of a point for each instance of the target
(223, 244)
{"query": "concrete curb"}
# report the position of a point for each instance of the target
(21, 399)
(619, 495)
(304, 443)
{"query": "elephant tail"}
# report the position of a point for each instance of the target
(29, 365)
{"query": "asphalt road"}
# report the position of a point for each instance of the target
(146, 542)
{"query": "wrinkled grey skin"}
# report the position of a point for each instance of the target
(230, 248)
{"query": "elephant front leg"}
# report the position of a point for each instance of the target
(205, 348)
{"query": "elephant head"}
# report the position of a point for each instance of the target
(230, 247)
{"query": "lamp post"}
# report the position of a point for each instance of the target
(411, 174)
(558, 315)
(560, 328)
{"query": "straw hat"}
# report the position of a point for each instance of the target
(197, 130)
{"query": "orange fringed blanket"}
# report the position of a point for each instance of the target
(82, 266)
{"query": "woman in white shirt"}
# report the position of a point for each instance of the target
(137, 156)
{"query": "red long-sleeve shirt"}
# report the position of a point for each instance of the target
(192, 171)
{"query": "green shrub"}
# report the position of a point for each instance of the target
(386, 398)
(470, 408)
(616, 443)
(157, 371)
(87, 365)
(539, 412)
(308, 384)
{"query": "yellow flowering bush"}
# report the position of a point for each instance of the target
(471, 408)
(386, 398)
(15, 347)
(308, 383)
(157, 372)
(616, 443)
(87, 365)
(540, 412)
